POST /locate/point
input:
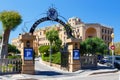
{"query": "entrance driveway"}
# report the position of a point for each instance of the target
(45, 72)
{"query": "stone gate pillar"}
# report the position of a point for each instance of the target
(74, 54)
(27, 53)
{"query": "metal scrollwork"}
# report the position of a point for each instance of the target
(53, 16)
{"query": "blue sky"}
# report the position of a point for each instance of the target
(105, 12)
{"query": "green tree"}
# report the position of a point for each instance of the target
(52, 37)
(57, 44)
(12, 49)
(93, 46)
(44, 49)
(10, 20)
(83, 48)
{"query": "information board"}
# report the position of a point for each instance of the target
(28, 53)
(76, 54)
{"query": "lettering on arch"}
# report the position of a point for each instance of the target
(52, 15)
(67, 27)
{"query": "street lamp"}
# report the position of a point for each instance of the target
(112, 36)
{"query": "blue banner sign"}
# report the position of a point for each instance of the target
(28, 54)
(76, 54)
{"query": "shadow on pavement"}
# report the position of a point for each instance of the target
(47, 73)
(98, 68)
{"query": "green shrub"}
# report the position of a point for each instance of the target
(45, 58)
(43, 48)
(13, 57)
(7, 68)
(56, 58)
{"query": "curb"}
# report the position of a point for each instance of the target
(102, 72)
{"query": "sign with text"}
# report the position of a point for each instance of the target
(76, 54)
(28, 53)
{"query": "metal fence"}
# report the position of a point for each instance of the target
(88, 61)
(10, 66)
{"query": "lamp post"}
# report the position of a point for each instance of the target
(50, 54)
(112, 36)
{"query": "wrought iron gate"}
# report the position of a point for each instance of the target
(64, 60)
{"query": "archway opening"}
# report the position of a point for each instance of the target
(90, 32)
(29, 56)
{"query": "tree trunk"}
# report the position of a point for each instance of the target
(4, 51)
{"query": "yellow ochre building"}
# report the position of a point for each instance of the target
(80, 30)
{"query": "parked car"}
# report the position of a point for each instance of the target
(104, 60)
(116, 61)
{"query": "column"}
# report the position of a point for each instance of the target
(74, 54)
(27, 53)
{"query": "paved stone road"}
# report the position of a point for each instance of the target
(55, 74)
(45, 72)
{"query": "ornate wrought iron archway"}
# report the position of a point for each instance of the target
(52, 15)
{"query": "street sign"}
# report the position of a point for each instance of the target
(112, 47)
(76, 54)
(28, 54)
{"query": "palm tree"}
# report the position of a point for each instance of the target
(10, 20)
(52, 36)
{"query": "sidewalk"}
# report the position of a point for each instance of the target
(57, 77)
(104, 69)
(45, 72)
